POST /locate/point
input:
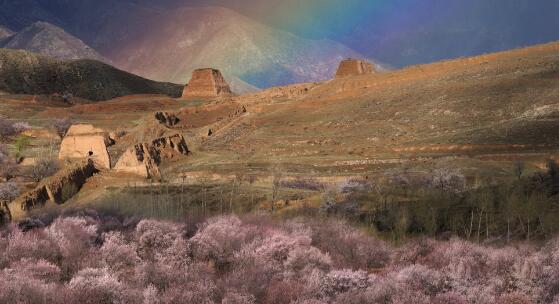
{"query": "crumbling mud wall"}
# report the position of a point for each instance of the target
(57, 189)
(354, 67)
(68, 183)
(86, 142)
(207, 83)
(144, 159)
(35, 198)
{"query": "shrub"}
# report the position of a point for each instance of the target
(21, 144)
(7, 165)
(9, 128)
(20, 127)
(448, 179)
(6, 129)
(8, 191)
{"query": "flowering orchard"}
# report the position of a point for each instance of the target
(256, 259)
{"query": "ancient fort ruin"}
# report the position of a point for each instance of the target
(354, 67)
(207, 83)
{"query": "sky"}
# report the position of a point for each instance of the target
(405, 32)
(394, 32)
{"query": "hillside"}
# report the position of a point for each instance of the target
(481, 112)
(23, 72)
(500, 106)
(49, 40)
(190, 38)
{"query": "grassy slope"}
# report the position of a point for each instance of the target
(28, 73)
(473, 105)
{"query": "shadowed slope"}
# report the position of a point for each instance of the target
(28, 73)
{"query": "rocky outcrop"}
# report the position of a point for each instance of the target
(86, 142)
(354, 67)
(207, 83)
(167, 119)
(57, 189)
(144, 159)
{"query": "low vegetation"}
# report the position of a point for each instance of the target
(88, 258)
(404, 204)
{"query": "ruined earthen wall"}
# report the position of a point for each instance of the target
(139, 160)
(58, 188)
(144, 159)
(68, 183)
(32, 199)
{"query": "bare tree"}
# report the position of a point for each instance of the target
(277, 175)
(448, 179)
(7, 165)
(6, 129)
(61, 126)
(9, 128)
(519, 169)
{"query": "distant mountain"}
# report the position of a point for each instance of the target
(50, 40)
(5, 32)
(189, 38)
(166, 42)
(23, 72)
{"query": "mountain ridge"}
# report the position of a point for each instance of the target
(50, 40)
